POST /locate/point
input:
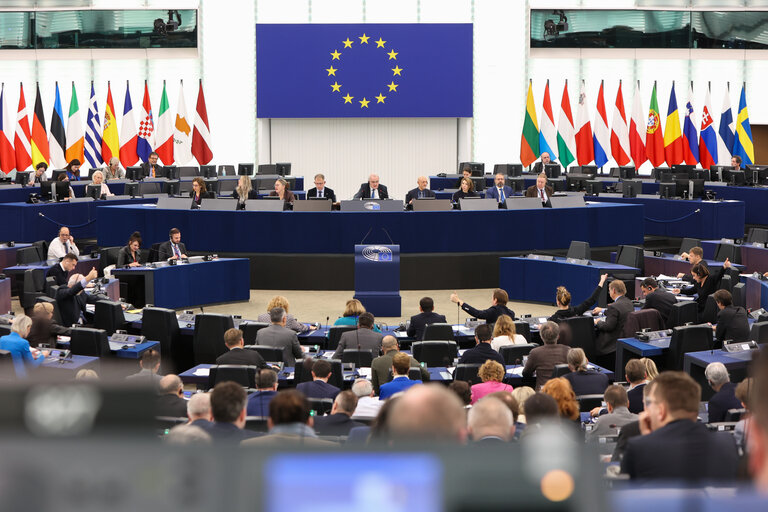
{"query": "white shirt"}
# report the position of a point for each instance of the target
(503, 341)
(367, 407)
(374, 193)
(57, 250)
(320, 192)
(540, 191)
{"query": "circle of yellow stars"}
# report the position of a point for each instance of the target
(364, 39)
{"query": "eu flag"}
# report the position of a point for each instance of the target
(366, 70)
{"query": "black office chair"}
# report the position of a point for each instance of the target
(523, 329)
(85, 341)
(630, 256)
(438, 332)
(689, 243)
(34, 284)
(27, 255)
(725, 283)
(688, 338)
(321, 406)
(244, 375)
(271, 354)
(435, 353)
(683, 313)
(513, 354)
(579, 250)
(42, 249)
(709, 314)
(154, 253)
(759, 235)
(109, 316)
(250, 329)
(7, 370)
(642, 319)
(303, 373)
(161, 325)
(256, 423)
(108, 256)
(49, 282)
(467, 372)
(589, 402)
(361, 358)
(728, 251)
(739, 295)
(759, 332)
(334, 334)
(560, 370)
(734, 415)
(415, 374)
(582, 334)
(52, 302)
(208, 340)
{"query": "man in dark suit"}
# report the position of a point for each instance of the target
(482, 351)
(339, 422)
(422, 320)
(658, 299)
(635, 373)
(695, 256)
(541, 189)
(170, 401)
(278, 335)
(543, 359)
(60, 271)
(724, 397)
(290, 423)
(71, 300)
(490, 422)
(381, 367)
(673, 445)
(500, 192)
(420, 192)
(538, 167)
(172, 249)
(321, 190)
(236, 354)
(150, 169)
(363, 338)
(266, 384)
(372, 190)
(319, 387)
(228, 401)
(732, 321)
(608, 330)
(498, 307)
(199, 410)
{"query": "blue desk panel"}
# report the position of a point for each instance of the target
(537, 280)
(338, 232)
(757, 292)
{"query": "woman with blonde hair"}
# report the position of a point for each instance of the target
(504, 333)
(98, 179)
(492, 374)
(651, 372)
(584, 380)
(560, 389)
(521, 394)
(278, 301)
(243, 191)
(352, 311)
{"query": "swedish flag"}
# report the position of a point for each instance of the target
(742, 144)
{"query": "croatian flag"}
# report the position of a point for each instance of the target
(146, 141)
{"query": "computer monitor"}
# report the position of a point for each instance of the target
(627, 172)
(245, 169)
(22, 178)
(593, 187)
(133, 173)
(589, 169)
(283, 168)
(508, 169)
(172, 188)
(226, 170)
(683, 187)
(517, 183)
(54, 190)
(576, 182)
(266, 169)
(169, 172)
(700, 174)
(93, 191)
(734, 177)
(657, 172)
(132, 189)
(683, 168)
(631, 188)
(208, 171)
(667, 190)
(56, 172)
(212, 185)
(757, 174)
(479, 183)
(477, 168)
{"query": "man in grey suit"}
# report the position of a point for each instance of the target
(617, 401)
(381, 367)
(363, 338)
(279, 336)
(609, 330)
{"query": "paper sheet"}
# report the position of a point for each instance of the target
(202, 372)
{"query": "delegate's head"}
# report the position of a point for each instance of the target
(577, 360)
(723, 298)
(498, 180)
(277, 315)
(500, 297)
(541, 181)
(114, 163)
(401, 364)
(635, 371)
(64, 235)
(490, 417)
(616, 396)
(617, 288)
(483, 333)
(426, 304)
(563, 296)
(174, 235)
(266, 380)
(198, 185)
(716, 375)
(545, 158)
(466, 171)
(699, 273)
(73, 165)
(233, 338)
(289, 406)
(504, 326)
(41, 168)
(421, 182)
(353, 307)
(319, 181)
(648, 285)
(373, 181)
(199, 406)
(228, 401)
(491, 371)
(388, 343)
(549, 332)
(69, 262)
(21, 325)
(62, 177)
(365, 321)
(153, 158)
(672, 396)
(244, 183)
(428, 412)
(736, 161)
(467, 185)
(281, 186)
(695, 255)
(43, 310)
(278, 301)
(97, 178)
(134, 242)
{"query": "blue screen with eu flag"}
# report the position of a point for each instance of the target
(365, 70)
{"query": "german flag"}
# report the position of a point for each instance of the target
(39, 142)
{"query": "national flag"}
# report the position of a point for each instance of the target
(673, 139)
(164, 137)
(21, 141)
(725, 131)
(110, 139)
(654, 139)
(93, 133)
(201, 136)
(182, 132)
(566, 141)
(690, 137)
(128, 136)
(601, 137)
(585, 149)
(637, 130)
(39, 140)
(75, 135)
(57, 137)
(7, 155)
(708, 137)
(529, 140)
(547, 133)
(619, 134)
(146, 141)
(742, 144)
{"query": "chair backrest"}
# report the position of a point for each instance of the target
(513, 354)
(642, 319)
(630, 256)
(688, 338)
(154, 253)
(727, 251)
(467, 372)
(579, 250)
(438, 332)
(435, 353)
(682, 313)
(582, 334)
(709, 314)
(256, 423)
(49, 282)
(208, 340)
(415, 374)
(109, 316)
(52, 302)
(589, 402)
(304, 374)
(271, 354)
(242, 374)
(28, 255)
(85, 341)
(725, 283)
(759, 235)
(361, 358)
(739, 294)
(759, 332)
(523, 329)
(688, 243)
(334, 334)
(42, 249)
(34, 280)
(107, 257)
(735, 414)
(559, 370)
(250, 329)
(161, 325)
(321, 406)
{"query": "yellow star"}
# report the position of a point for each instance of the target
(364, 39)
(380, 98)
(392, 55)
(331, 71)
(347, 43)
(335, 55)
(348, 98)
(336, 86)
(380, 43)
(364, 103)
(393, 86)
(396, 70)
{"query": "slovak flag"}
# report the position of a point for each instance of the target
(708, 139)
(146, 142)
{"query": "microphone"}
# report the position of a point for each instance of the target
(387, 233)
(327, 324)
(361, 241)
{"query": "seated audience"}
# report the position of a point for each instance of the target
(199, 410)
(228, 408)
(340, 421)
(420, 192)
(704, 283)
(98, 179)
(498, 307)
(732, 321)
(60, 271)
(427, 413)
(491, 374)
(505, 333)
(490, 422)
(696, 257)
(199, 192)
(86, 374)
(278, 301)
(651, 371)
(563, 300)
(39, 175)
(540, 189)
(352, 311)
(609, 329)
(617, 402)
(187, 434)
(150, 365)
(266, 389)
(362, 338)
(499, 191)
(636, 374)
(567, 405)
(583, 380)
(368, 404)
(381, 367)
(112, 169)
(44, 329)
(427, 316)
(73, 170)
(319, 387)
(462, 390)
(170, 401)
(16, 343)
(236, 354)
(725, 392)
(521, 394)
(150, 169)
(320, 190)
(401, 364)
(71, 193)
(542, 360)
(290, 423)
(244, 191)
(71, 300)
(482, 351)
(278, 335)
(372, 189)
(657, 298)
(62, 244)
(512, 404)
(466, 189)
(173, 248)
(283, 192)
(130, 255)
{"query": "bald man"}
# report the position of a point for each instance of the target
(373, 189)
(428, 412)
(420, 192)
